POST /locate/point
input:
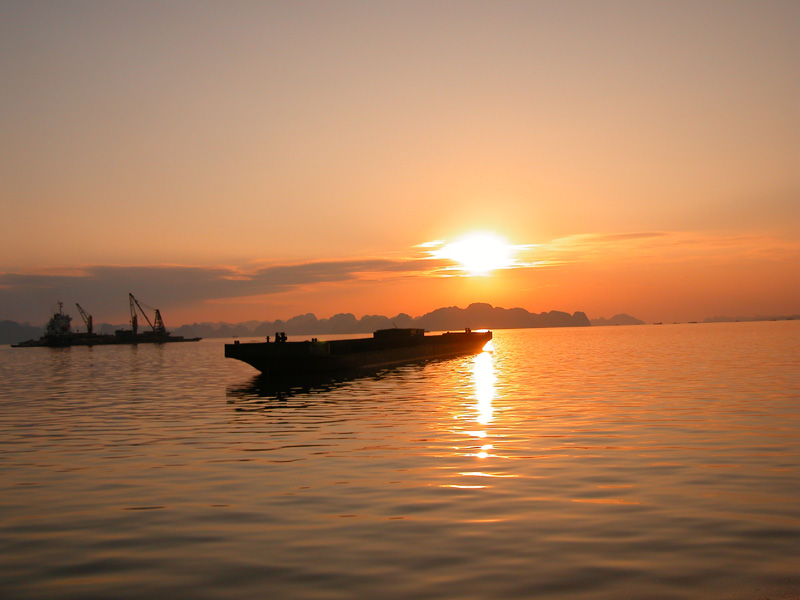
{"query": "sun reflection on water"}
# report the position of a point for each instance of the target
(484, 381)
(485, 386)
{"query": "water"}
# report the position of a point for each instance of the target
(622, 462)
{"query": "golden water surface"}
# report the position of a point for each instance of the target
(619, 462)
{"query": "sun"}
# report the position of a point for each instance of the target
(478, 253)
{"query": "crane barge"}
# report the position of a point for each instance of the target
(58, 332)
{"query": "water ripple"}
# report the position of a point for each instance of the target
(631, 462)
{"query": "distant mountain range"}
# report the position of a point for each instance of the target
(452, 318)
(12, 332)
(620, 319)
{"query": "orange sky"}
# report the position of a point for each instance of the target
(260, 160)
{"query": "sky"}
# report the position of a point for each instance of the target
(229, 161)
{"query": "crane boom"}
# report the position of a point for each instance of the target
(86, 319)
(134, 317)
(157, 326)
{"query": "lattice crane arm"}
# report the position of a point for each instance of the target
(86, 318)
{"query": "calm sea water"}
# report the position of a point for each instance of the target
(623, 462)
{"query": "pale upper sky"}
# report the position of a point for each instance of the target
(260, 159)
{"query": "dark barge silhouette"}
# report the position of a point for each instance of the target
(385, 348)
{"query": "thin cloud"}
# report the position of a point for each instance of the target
(103, 288)
(666, 246)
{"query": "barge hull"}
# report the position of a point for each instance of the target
(292, 358)
(102, 340)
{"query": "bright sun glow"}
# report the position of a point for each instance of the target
(479, 253)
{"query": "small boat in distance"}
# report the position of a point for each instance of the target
(59, 334)
(386, 347)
